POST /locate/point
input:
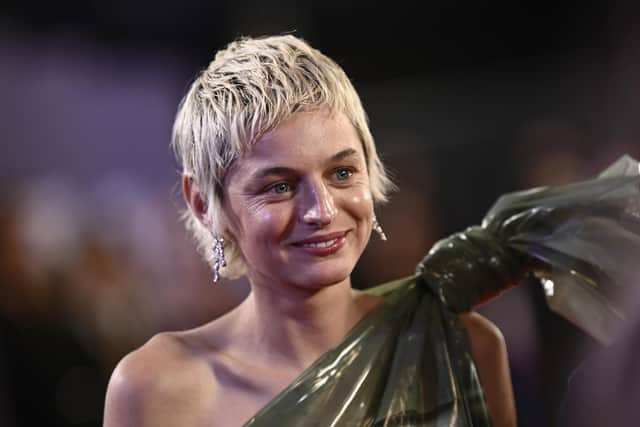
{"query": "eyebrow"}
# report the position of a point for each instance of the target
(283, 170)
(349, 152)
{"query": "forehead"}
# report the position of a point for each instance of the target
(304, 140)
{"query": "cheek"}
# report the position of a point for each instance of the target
(361, 204)
(267, 223)
(358, 205)
(360, 208)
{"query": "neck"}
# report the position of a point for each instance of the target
(295, 326)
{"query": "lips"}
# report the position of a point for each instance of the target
(322, 245)
(323, 240)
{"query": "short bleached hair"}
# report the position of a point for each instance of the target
(252, 86)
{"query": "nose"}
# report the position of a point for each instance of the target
(318, 207)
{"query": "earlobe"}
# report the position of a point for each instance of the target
(194, 197)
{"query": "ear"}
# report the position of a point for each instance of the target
(194, 198)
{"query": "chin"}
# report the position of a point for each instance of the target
(321, 276)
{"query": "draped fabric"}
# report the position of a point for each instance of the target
(582, 241)
(409, 364)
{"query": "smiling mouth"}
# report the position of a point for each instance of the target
(321, 241)
(324, 244)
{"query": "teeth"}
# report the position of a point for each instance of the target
(320, 244)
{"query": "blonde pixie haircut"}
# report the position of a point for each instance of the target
(252, 86)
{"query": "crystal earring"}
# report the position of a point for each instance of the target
(378, 229)
(218, 257)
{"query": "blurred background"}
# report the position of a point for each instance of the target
(467, 100)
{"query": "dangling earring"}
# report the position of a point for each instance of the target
(218, 257)
(378, 228)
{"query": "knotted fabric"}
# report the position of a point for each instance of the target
(408, 363)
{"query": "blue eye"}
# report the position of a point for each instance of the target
(281, 188)
(343, 174)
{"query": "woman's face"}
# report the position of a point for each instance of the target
(299, 204)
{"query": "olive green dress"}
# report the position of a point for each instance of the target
(408, 363)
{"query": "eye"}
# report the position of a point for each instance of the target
(343, 174)
(280, 188)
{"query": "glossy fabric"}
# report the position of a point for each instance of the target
(581, 240)
(406, 364)
(409, 364)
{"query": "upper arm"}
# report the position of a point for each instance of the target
(125, 399)
(157, 386)
(490, 355)
(141, 390)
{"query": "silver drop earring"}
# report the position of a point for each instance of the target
(218, 257)
(378, 228)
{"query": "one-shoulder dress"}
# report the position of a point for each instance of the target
(409, 364)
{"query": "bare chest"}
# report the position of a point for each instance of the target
(243, 391)
(235, 409)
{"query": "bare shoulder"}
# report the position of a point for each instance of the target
(156, 383)
(484, 335)
(490, 355)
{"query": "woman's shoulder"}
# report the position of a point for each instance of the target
(166, 369)
(486, 342)
(143, 367)
(489, 352)
(482, 331)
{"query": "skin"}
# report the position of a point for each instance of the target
(308, 178)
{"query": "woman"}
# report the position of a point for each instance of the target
(281, 176)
